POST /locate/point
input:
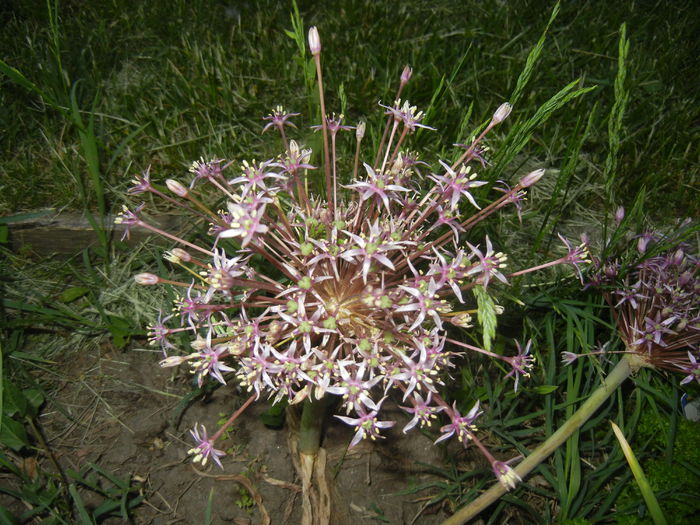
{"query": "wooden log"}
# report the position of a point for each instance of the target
(68, 233)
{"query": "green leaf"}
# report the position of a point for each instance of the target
(120, 329)
(123, 484)
(32, 358)
(6, 518)
(17, 77)
(532, 59)
(616, 114)
(520, 135)
(2, 383)
(13, 435)
(35, 398)
(343, 98)
(71, 294)
(20, 217)
(14, 402)
(545, 389)
(273, 417)
(210, 507)
(486, 314)
(123, 145)
(5, 463)
(657, 514)
(85, 518)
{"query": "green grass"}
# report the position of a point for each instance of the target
(200, 84)
(111, 88)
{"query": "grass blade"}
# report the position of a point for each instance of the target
(532, 59)
(654, 509)
(616, 114)
(80, 506)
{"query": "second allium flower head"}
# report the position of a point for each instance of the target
(303, 294)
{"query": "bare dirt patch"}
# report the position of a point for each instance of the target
(120, 411)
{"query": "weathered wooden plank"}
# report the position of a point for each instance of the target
(69, 233)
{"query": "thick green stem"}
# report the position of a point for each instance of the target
(312, 415)
(628, 364)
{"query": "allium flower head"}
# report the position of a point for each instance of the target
(324, 282)
(656, 306)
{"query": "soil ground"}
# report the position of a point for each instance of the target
(121, 409)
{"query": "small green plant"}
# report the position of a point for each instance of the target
(223, 416)
(51, 493)
(245, 501)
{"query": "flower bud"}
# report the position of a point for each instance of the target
(501, 113)
(293, 148)
(685, 278)
(177, 188)
(146, 278)
(619, 215)
(360, 130)
(610, 271)
(643, 242)
(177, 255)
(406, 75)
(182, 254)
(531, 178)
(678, 257)
(314, 41)
(173, 360)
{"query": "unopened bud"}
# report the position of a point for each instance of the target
(531, 178)
(360, 130)
(406, 75)
(610, 271)
(314, 41)
(619, 215)
(501, 113)
(177, 255)
(685, 278)
(146, 278)
(173, 360)
(182, 254)
(643, 242)
(177, 188)
(293, 148)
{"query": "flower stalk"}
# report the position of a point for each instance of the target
(629, 364)
(656, 308)
(313, 415)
